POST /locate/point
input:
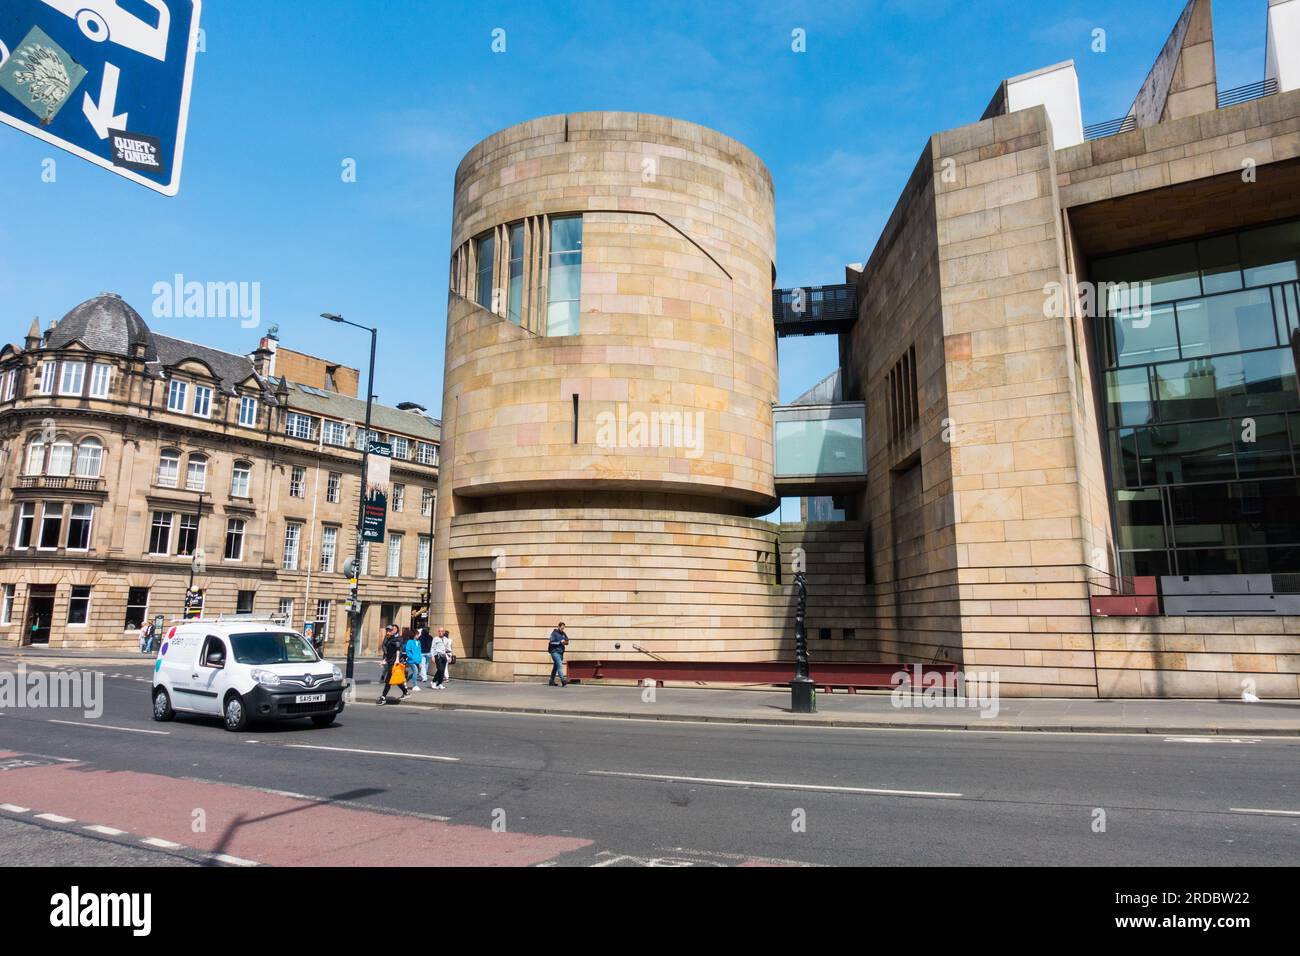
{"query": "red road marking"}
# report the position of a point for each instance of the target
(267, 827)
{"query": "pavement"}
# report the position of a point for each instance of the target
(423, 785)
(768, 706)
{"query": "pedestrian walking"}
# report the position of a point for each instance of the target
(426, 655)
(394, 672)
(414, 658)
(146, 637)
(441, 649)
(555, 647)
(450, 651)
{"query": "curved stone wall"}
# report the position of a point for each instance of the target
(674, 369)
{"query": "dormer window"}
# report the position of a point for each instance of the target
(176, 395)
(248, 412)
(202, 401)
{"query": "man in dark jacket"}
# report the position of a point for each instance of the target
(555, 647)
(426, 655)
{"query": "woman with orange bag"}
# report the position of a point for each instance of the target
(394, 673)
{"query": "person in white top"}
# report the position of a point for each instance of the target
(441, 650)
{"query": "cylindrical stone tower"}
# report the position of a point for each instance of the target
(610, 374)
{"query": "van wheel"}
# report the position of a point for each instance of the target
(323, 720)
(162, 705)
(235, 715)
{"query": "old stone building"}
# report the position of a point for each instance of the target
(137, 465)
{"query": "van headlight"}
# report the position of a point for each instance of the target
(266, 678)
(337, 674)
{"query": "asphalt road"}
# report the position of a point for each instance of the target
(403, 784)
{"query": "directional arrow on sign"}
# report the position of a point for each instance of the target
(113, 65)
(101, 114)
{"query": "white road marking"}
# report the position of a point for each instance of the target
(129, 730)
(107, 831)
(13, 808)
(161, 844)
(54, 818)
(771, 785)
(1212, 740)
(230, 860)
(375, 753)
(1288, 737)
(1270, 813)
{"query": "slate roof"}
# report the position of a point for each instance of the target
(231, 369)
(315, 401)
(108, 324)
(103, 324)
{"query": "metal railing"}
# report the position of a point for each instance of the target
(1238, 94)
(815, 310)
(1110, 127)
(1244, 94)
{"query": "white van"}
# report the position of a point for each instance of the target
(243, 669)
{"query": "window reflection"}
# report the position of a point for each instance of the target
(1201, 404)
(564, 282)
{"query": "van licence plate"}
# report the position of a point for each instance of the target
(310, 699)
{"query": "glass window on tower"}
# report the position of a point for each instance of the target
(564, 284)
(515, 294)
(486, 262)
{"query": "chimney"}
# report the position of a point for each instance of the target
(263, 357)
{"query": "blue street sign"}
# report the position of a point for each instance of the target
(107, 80)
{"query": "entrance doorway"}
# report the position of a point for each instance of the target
(481, 643)
(40, 613)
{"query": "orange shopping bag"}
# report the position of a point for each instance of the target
(398, 676)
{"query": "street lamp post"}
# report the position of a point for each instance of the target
(803, 689)
(354, 618)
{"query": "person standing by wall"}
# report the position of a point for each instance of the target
(555, 647)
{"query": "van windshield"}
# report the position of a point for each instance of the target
(272, 647)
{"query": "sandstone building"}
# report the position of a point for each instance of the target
(1061, 442)
(135, 462)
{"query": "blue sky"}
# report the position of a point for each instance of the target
(287, 90)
